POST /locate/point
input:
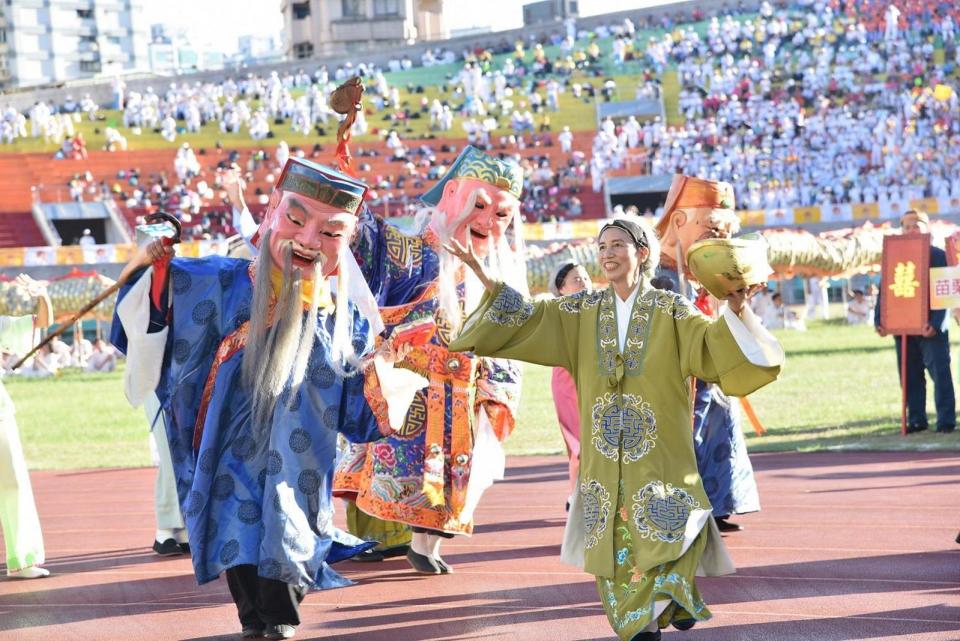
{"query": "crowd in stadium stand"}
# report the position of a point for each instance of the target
(808, 102)
(811, 104)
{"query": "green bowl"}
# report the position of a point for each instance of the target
(725, 265)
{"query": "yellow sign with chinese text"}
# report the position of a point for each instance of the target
(863, 211)
(905, 281)
(944, 287)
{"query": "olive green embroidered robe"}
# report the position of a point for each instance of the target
(644, 506)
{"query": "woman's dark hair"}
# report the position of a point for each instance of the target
(562, 274)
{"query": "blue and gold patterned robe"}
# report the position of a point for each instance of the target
(420, 474)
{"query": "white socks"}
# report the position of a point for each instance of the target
(433, 544)
(32, 572)
(426, 544)
(419, 543)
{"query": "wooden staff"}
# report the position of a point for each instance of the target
(903, 385)
(107, 293)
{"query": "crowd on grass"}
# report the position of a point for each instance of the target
(97, 356)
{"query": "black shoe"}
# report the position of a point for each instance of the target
(394, 551)
(279, 631)
(726, 526)
(167, 548)
(684, 624)
(252, 631)
(422, 564)
(647, 636)
(444, 568)
(946, 429)
(369, 556)
(184, 547)
(913, 429)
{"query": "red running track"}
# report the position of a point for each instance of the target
(849, 546)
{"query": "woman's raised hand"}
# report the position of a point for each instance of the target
(466, 254)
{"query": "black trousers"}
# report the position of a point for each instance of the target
(933, 355)
(423, 530)
(263, 601)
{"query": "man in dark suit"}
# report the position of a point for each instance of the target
(929, 351)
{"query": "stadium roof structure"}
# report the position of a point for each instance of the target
(649, 108)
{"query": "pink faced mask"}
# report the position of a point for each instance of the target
(492, 211)
(314, 230)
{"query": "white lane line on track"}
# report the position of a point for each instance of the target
(361, 575)
(500, 546)
(515, 608)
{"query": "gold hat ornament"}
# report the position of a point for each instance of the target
(725, 265)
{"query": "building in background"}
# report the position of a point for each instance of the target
(4, 65)
(549, 11)
(324, 27)
(173, 53)
(52, 41)
(256, 48)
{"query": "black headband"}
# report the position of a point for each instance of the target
(562, 274)
(634, 230)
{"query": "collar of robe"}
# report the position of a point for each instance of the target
(324, 300)
(614, 363)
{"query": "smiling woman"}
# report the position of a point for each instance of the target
(640, 520)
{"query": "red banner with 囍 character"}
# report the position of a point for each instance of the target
(905, 284)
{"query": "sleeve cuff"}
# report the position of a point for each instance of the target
(144, 350)
(754, 340)
(398, 387)
(244, 223)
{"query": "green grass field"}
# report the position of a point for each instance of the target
(838, 390)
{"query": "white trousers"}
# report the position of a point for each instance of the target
(18, 512)
(166, 503)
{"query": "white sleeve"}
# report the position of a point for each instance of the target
(754, 340)
(144, 351)
(244, 223)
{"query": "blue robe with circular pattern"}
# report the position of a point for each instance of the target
(253, 496)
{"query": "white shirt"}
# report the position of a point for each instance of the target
(624, 310)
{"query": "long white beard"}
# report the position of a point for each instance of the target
(277, 355)
(504, 263)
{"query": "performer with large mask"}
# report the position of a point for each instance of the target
(698, 209)
(446, 449)
(257, 369)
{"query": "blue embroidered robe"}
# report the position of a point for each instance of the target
(248, 496)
